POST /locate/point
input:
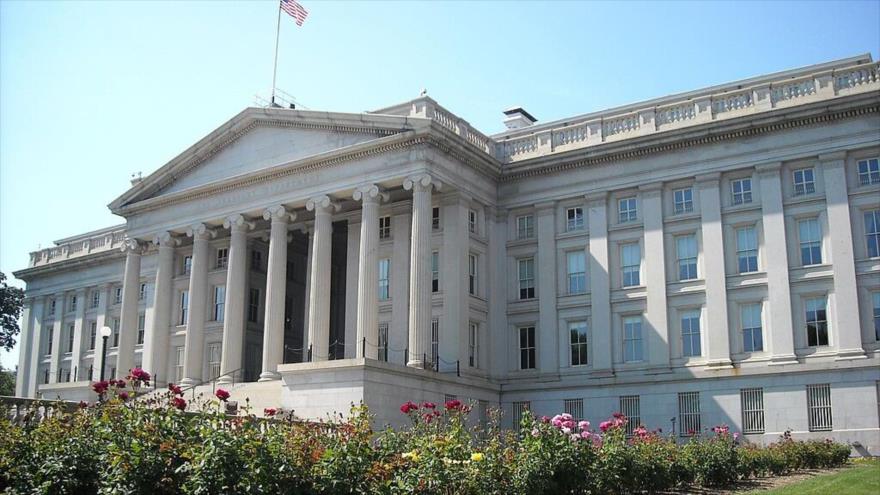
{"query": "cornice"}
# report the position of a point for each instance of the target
(71, 264)
(699, 135)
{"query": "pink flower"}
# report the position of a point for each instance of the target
(557, 421)
(536, 433)
(569, 423)
(584, 425)
(586, 434)
(566, 430)
(736, 436)
(138, 375)
(429, 405)
(407, 407)
(123, 395)
(222, 394)
(269, 411)
(120, 383)
(566, 417)
(604, 425)
(545, 419)
(575, 437)
(179, 403)
(100, 387)
(453, 405)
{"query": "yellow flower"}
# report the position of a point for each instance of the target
(477, 457)
(414, 456)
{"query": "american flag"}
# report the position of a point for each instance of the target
(295, 10)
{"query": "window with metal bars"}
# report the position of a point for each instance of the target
(752, 403)
(222, 258)
(630, 407)
(575, 407)
(519, 408)
(574, 219)
(214, 356)
(141, 328)
(683, 200)
(382, 350)
(689, 413)
(435, 218)
(819, 407)
(435, 341)
(385, 227)
(741, 190)
(804, 182)
(869, 171)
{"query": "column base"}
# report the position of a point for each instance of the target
(269, 376)
(783, 359)
(850, 354)
(416, 363)
(606, 373)
(719, 364)
(224, 380)
(188, 382)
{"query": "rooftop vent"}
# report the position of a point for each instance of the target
(517, 118)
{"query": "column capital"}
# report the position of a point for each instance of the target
(201, 231)
(421, 182)
(708, 179)
(654, 188)
(834, 157)
(166, 239)
(132, 246)
(323, 204)
(600, 197)
(370, 193)
(545, 207)
(237, 223)
(769, 168)
(278, 213)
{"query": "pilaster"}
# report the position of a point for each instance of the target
(57, 323)
(36, 355)
(26, 365)
(79, 322)
(548, 327)
(716, 321)
(401, 223)
(655, 276)
(600, 283)
(454, 267)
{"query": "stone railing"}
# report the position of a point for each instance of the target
(756, 95)
(79, 246)
(21, 410)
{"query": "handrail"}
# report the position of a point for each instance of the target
(213, 382)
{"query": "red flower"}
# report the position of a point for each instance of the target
(100, 387)
(429, 405)
(428, 417)
(408, 407)
(139, 375)
(83, 404)
(270, 411)
(120, 383)
(123, 396)
(222, 394)
(179, 403)
(175, 389)
(453, 404)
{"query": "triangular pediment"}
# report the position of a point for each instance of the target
(259, 139)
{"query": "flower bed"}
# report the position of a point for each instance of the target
(120, 445)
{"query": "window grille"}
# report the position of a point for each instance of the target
(683, 200)
(741, 190)
(804, 182)
(574, 219)
(819, 407)
(385, 227)
(869, 171)
(630, 407)
(519, 409)
(689, 413)
(752, 402)
(575, 407)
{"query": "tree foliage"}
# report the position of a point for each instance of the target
(11, 299)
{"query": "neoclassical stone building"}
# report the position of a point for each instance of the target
(703, 258)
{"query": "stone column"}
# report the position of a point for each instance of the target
(398, 330)
(775, 262)
(194, 342)
(352, 255)
(26, 366)
(368, 272)
(716, 322)
(420, 269)
(76, 355)
(845, 324)
(454, 268)
(236, 287)
(497, 329)
(276, 292)
(600, 283)
(319, 279)
(100, 322)
(128, 317)
(36, 354)
(656, 317)
(156, 339)
(57, 324)
(548, 326)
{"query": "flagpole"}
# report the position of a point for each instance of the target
(275, 66)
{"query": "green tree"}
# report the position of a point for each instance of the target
(7, 382)
(11, 299)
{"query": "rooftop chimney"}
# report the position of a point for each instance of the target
(517, 118)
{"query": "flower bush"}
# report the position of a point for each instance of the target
(162, 445)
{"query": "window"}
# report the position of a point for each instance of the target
(435, 218)
(525, 227)
(141, 328)
(574, 219)
(627, 209)
(253, 305)
(178, 363)
(184, 307)
(72, 303)
(683, 200)
(474, 345)
(382, 350)
(817, 322)
(869, 171)
(750, 319)
(875, 298)
(187, 264)
(435, 342)
(52, 307)
(527, 348)
(575, 407)
(385, 227)
(219, 302)
(576, 263)
(49, 341)
(117, 298)
(472, 274)
(222, 258)
(71, 329)
(690, 334)
(872, 232)
(115, 334)
(435, 272)
(214, 359)
(256, 260)
(142, 292)
(741, 189)
(819, 407)
(752, 403)
(632, 339)
(689, 413)
(811, 241)
(804, 182)
(630, 262)
(519, 410)
(384, 279)
(93, 334)
(578, 338)
(686, 250)
(526, 278)
(630, 407)
(747, 250)
(472, 221)
(96, 298)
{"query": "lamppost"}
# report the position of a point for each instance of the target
(105, 334)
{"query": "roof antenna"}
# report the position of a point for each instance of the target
(424, 92)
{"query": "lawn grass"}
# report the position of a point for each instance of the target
(861, 478)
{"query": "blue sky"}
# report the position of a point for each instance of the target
(91, 92)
